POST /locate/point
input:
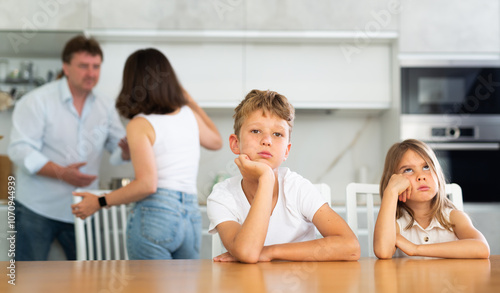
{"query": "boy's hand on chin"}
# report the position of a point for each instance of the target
(252, 170)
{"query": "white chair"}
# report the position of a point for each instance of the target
(100, 234)
(218, 248)
(453, 191)
(352, 191)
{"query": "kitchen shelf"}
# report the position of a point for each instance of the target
(240, 36)
(43, 44)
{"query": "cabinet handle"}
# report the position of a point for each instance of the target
(465, 146)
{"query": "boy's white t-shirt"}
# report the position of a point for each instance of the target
(291, 219)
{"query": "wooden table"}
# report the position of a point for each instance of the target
(365, 275)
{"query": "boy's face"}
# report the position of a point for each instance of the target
(263, 137)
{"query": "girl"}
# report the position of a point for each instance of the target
(164, 136)
(415, 214)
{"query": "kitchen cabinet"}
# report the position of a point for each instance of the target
(322, 75)
(313, 75)
(29, 17)
(46, 44)
(447, 26)
(211, 72)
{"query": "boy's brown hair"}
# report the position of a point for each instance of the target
(267, 101)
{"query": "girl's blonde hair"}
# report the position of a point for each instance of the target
(439, 202)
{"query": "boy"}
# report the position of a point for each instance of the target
(269, 213)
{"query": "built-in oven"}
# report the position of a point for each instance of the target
(456, 110)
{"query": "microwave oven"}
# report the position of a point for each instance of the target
(450, 90)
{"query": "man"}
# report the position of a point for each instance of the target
(58, 136)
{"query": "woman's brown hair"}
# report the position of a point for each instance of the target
(150, 85)
(440, 201)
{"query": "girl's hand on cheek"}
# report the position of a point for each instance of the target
(401, 186)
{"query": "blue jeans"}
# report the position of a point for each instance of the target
(35, 234)
(165, 225)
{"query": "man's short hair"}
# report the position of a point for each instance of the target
(78, 44)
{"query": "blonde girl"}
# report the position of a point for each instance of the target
(415, 214)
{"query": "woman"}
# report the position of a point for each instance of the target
(164, 136)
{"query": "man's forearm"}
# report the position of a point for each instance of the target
(69, 174)
(52, 170)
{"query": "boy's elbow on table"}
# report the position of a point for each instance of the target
(246, 253)
(351, 250)
(354, 251)
(246, 256)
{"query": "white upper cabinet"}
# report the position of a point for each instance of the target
(30, 17)
(449, 26)
(211, 73)
(322, 76)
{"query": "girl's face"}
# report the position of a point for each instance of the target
(423, 180)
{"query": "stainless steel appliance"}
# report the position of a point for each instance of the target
(456, 110)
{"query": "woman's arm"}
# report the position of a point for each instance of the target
(384, 237)
(140, 136)
(209, 135)
(471, 243)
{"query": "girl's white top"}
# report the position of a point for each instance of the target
(434, 233)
